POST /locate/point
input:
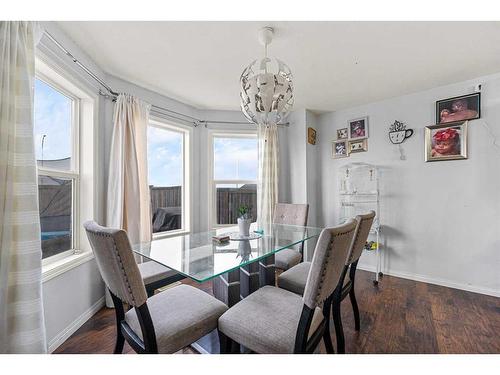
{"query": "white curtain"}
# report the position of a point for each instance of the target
(267, 192)
(22, 328)
(128, 205)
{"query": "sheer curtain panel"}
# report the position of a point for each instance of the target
(22, 328)
(129, 204)
(267, 192)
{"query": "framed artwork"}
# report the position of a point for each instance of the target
(358, 146)
(339, 149)
(459, 108)
(358, 128)
(311, 136)
(342, 133)
(446, 141)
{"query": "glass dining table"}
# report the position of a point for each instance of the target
(237, 267)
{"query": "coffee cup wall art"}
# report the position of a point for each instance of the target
(398, 132)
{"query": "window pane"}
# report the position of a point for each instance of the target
(235, 158)
(165, 165)
(55, 197)
(52, 127)
(230, 197)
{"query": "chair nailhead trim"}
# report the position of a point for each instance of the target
(318, 299)
(121, 265)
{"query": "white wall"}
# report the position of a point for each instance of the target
(295, 163)
(441, 220)
(69, 300)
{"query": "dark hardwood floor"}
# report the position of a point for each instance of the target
(398, 316)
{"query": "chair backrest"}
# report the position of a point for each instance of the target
(328, 262)
(116, 263)
(291, 214)
(364, 224)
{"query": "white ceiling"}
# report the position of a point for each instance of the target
(335, 64)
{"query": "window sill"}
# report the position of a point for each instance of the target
(54, 269)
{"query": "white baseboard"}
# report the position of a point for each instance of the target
(431, 280)
(73, 327)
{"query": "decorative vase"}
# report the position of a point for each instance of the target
(244, 226)
(244, 250)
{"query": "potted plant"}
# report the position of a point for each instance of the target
(244, 220)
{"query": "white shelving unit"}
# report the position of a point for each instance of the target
(359, 193)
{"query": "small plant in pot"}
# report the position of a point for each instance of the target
(244, 220)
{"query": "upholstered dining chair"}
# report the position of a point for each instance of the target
(274, 320)
(290, 214)
(163, 323)
(295, 278)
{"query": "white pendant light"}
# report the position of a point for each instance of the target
(266, 88)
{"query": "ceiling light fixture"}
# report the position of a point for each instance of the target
(266, 87)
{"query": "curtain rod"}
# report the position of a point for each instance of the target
(110, 94)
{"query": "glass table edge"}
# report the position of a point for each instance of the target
(202, 280)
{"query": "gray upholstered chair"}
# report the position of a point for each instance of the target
(290, 214)
(274, 320)
(163, 323)
(295, 278)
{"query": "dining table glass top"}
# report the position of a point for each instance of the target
(198, 257)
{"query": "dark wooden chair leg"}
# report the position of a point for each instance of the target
(352, 295)
(120, 315)
(120, 341)
(225, 343)
(235, 347)
(339, 330)
(355, 309)
(150, 292)
(327, 338)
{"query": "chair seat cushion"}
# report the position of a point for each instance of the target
(181, 315)
(152, 271)
(267, 320)
(295, 278)
(287, 258)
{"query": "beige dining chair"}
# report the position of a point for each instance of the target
(289, 214)
(163, 323)
(295, 278)
(274, 320)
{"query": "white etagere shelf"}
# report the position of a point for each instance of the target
(359, 193)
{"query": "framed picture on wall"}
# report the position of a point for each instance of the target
(459, 108)
(358, 128)
(339, 149)
(342, 133)
(446, 141)
(358, 146)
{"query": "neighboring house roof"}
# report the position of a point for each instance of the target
(64, 164)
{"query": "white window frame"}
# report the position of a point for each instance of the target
(85, 166)
(73, 173)
(186, 197)
(212, 183)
